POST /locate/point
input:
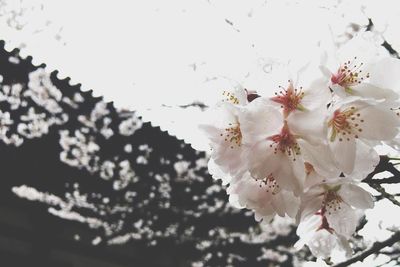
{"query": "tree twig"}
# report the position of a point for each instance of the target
(375, 248)
(385, 194)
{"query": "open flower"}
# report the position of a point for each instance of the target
(225, 137)
(329, 215)
(322, 240)
(278, 146)
(338, 202)
(274, 148)
(359, 69)
(264, 196)
(301, 98)
(356, 122)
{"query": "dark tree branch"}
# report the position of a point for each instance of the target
(375, 248)
(388, 180)
(385, 194)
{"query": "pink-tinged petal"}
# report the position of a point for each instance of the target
(284, 202)
(312, 179)
(225, 138)
(379, 123)
(290, 174)
(291, 203)
(251, 194)
(342, 219)
(311, 207)
(230, 160)
(262, 161)
(366, 160)
(321, 159)
(344, 152)
(356, 196)
(385, 73)
(259, 121)
(367, 90)
(316, 95)
(308, 125)
(278, 204)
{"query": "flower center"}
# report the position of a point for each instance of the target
(269, 183)
(345, 124)
(233, 135)
(230, 97)
(349, 74)
(332, 201)
(285, 142)
(289, 99)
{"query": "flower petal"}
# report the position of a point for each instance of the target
(366, 160)
(259, 120)
(316, 95)
(367, 90)
(343, 219)
(285, 202)
(379, 124)
(321, 158)
(262, 161)
(385, 73)
(356, 196)
(344, 153)
(308, 125)
(290, 174)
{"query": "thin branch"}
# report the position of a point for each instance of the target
(388, 180)
(385, 194)
(375, 248)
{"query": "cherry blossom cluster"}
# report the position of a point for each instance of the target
(302, 149)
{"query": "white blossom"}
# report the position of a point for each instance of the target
(353, 123)
(359, 69)
(264, 196)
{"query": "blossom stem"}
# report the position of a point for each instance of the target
(375, 248)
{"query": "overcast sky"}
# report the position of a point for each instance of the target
(144, 54)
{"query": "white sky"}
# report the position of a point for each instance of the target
(142, 54)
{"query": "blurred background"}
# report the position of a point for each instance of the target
(109, 176)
